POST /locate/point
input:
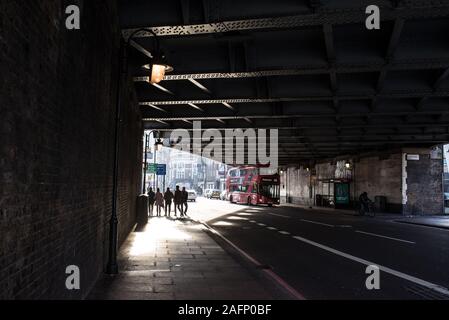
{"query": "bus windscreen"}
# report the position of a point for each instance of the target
(269, 190)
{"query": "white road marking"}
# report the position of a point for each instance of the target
(252, 221)
(398, 274)
(381, 236)
(262, 224)
(277, 215)
(284, 232)
(271, 228)
(320, 223)
(278, 279)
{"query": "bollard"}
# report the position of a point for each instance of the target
(142, 209)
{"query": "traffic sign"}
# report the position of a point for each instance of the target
(152, 167)
(161, 169)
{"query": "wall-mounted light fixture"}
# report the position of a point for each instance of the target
(158, 67)
(348, 165)
(158, 145)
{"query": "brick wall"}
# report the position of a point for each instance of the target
(298, 186)
(380, 177)
(57, 109)
(420, 194)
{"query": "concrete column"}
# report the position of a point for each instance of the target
(422, 181)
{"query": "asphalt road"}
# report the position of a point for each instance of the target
(324, 255)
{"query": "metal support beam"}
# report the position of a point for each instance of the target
(343, 126)
(199, 85)
(391, 49)
(332, 17)
(394, 39)
(195, 106)
(302, 115)
(339, 68)
(163, 89)
(355, 96)
(227, 105)
(441, 79)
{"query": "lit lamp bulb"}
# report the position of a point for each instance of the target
(158, 67)
(157, 73)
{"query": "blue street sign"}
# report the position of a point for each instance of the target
(161, 169)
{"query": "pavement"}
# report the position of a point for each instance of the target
(429, 221)
(176, 259)
(349, 212)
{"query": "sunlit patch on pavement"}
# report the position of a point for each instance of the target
(146, 242)
(223, 224)
(236, 218)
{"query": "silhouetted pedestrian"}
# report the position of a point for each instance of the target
(168, 197)
(151, 199)
(185, 198)
(159, 202)
(178, 200)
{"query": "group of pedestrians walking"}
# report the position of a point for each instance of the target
(165, 201)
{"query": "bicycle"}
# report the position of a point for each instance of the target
(371, 210)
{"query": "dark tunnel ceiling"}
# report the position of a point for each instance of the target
(309, 68)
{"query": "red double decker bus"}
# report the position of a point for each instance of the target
(245, 185)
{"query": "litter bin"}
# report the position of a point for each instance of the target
(142, 209)
(381, 203)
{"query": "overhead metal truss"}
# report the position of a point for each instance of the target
(296, 21)
(339, 68)
(304, 115)
(297, 125)
(355, 96)
(335, 136)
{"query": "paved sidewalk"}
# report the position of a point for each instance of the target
(348, 212)
(430, 221)
(174, 259)
(440, 221)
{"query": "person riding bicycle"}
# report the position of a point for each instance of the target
(364, 203)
